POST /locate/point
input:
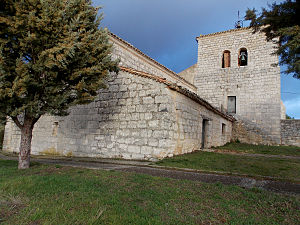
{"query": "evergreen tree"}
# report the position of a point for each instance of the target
(287, 117)
(281, 24)
(52, 56)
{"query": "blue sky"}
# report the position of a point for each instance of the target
(166, 30)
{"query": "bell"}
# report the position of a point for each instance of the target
(243, 56)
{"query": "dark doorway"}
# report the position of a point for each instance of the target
(204, 131)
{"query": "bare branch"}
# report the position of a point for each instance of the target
(35, 120)
(17, 122)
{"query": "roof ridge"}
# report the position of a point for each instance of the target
(148, 57)
(179, 89)
(222, 32)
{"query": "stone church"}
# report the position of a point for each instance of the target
(149, 112)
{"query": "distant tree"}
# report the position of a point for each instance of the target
(52, 56)
(281, 24)
(289, 117)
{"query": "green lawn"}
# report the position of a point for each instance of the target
(261, 149)
(209, 161)
(64, 195)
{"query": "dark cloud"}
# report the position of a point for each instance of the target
(166, 29)
(169, 27)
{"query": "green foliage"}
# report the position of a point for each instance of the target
(52, 56)
(289, 117)
(281, 24)
(50, 195)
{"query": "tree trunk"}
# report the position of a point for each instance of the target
(25, 145)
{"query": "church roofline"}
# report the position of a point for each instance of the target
(179, 89)
(222, 32)
(148, 57)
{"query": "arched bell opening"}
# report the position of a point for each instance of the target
(243, 57)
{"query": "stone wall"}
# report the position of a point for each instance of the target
(189, 117)
(135, 118)
(248, 132)
(146, 112)
(132, 57)
(290, 132)
(118, 124)
(189, 73)
(256, 86)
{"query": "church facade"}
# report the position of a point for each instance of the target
(149, 112)
(237, 73)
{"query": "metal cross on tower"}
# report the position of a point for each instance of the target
(239, 23)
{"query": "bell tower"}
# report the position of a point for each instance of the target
(235, 73)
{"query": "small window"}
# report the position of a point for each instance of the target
(243, 57)
(223, 128)
(226, 59)
(54, 128)
(231, 107)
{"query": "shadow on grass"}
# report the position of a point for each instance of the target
(260, 149)
(14, 163)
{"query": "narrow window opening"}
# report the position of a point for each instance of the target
(243, 57)
(226, 59)
(223, 128)
(54, 128)
(231, 107)
(204, 133)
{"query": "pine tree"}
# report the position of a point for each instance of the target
(52, 56)
(281, 24)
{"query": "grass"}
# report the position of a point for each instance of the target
(260, 149)
(288, 169)
(47, 194)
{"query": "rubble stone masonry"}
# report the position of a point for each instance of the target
(135, 118)
(139, 116)
(256, 86)
(290, 132)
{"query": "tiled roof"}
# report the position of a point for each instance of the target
(179, 89)
(222, 32)
(148, 57)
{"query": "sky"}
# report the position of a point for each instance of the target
(166, 30)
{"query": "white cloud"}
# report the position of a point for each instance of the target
(293, 107)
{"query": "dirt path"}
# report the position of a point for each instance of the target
(145, 168)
